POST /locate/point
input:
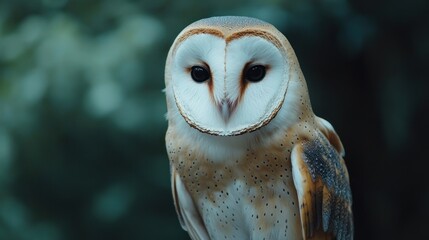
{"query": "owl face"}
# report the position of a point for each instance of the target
(228, 81)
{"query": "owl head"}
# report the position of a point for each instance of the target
(228, 76)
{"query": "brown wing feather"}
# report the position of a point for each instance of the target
(322, 183)
(326, 128)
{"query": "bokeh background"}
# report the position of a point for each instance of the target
(82, 113)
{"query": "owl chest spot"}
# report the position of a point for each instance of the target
(243, 211)
(249, 198)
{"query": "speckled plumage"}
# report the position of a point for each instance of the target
(281, 177)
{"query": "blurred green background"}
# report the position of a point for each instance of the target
(82, 113)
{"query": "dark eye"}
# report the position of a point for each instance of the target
(199, 74)
(255, 73)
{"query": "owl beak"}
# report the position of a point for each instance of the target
(226, 108)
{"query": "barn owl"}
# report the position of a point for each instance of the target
(248, 157)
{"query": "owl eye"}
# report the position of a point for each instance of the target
(199, 74)
(255, 73)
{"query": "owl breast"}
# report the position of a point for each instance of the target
(250, 197)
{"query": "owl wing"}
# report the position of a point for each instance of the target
(189, 217)
(322, 183)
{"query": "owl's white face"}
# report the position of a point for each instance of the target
(228, 86)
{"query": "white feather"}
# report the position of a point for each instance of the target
(260, 100)
(194, 98)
